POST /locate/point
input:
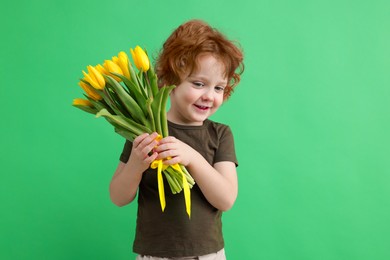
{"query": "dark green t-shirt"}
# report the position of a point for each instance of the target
(171, 233)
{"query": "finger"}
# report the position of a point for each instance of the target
(172, 161)
(166, 154)
(167, 145)
(168, 139)
(151, 158)
(154, 135)
(149, 147)
(144, 139)
(149, 139)
(139, 139)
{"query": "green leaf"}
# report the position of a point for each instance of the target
(99, 105)
(135, 79)
(126, 134)
(112, 102)
(118, 120)
(134, 92)
(129, 103)
(87, 109)
(141, 128)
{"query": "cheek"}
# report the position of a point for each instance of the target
(180, 96)
(190, 97)
(219, 100)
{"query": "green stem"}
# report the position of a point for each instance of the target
(173, 183)
(153, 80)
(163, 112)
(150, 114)
(156, 109)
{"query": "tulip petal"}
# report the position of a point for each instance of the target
(84, 105)
(123, 62)
(90, 91)
(140, 59)
(112, 67)
(91, 80)
(98, 76)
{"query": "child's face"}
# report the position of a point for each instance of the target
(200, 94)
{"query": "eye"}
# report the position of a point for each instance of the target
(219, 89)
(198, 84)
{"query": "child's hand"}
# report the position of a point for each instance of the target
(173, 151)
(140, 156)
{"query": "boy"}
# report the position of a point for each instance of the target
(205, 67)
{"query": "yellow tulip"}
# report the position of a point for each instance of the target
(95, 78)
(90, 80)
(98, 76)
(112, 67)
(82, 102)
(101, 69)
(123, 62)
(91, 92)
(140, 58)
(115, 59)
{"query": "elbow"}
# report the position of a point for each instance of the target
(227, 204)
(119, 200)
(226, 207)
(115, 201)
(118, 203)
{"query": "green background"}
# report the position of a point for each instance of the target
(310, 119)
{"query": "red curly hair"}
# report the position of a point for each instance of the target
(178, 57)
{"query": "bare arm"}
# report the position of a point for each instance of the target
(218, 182)
(124, 184)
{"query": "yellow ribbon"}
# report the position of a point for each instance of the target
(160, 167)
(187, 195)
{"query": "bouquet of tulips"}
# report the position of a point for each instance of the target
(131, 101)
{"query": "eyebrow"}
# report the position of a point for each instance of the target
(200, 77)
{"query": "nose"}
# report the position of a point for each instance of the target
(208, 94)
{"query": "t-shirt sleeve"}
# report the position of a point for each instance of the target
(126, 151)
(226, 150)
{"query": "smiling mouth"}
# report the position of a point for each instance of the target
(202, 107)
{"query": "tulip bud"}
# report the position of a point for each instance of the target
(91, 80)
(85, 105)
(101, 69)
(140, 59)
(115, 59)
(82, 102)
(90, 91)
(123, 62)
(112, 67)
(97, 76)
